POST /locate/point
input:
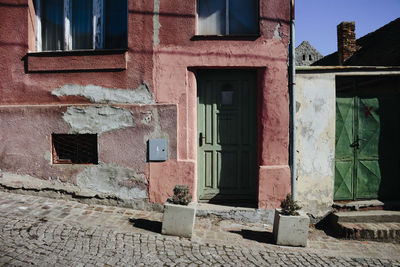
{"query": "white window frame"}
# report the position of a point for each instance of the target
(227, 2)
(98, 28)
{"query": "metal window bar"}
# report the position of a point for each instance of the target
(75, 148)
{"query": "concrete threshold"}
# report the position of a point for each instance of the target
(372, 204)
(242, 214)
(368, 216)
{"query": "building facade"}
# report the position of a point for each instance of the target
(122, 100)
(347, 123)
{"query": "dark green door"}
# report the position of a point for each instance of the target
(357, 171)
(226, 123)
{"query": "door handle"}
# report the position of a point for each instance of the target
(201, 137)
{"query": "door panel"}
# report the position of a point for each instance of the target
(368, 179)
(344, 163)
(344, 180)
(226, 122)
(368, 130)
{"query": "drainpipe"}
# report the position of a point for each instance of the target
(292, 96)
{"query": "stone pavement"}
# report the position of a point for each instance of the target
(42, 231)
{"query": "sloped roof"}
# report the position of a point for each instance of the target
(305, 48)
(378, 48)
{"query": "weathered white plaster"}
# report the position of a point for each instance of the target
(98, 94)
(97, 119)
(113, 180)
(156, 23)
(315, 141)
(18, 181)
(277, 34)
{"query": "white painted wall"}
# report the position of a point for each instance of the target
(315, 141)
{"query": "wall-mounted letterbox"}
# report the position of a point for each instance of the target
(158, 149)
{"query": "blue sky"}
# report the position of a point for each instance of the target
(316, 20)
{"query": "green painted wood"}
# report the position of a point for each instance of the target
(357, 169)
(344, 161)
(226, 124)
(367, 155)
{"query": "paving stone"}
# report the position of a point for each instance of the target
(65, 237)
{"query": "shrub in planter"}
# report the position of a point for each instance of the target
(290, 224)
(179, 213)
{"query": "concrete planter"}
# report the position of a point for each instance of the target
(291, 230)
(178, 219)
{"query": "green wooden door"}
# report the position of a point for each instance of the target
(226, 123)
(357, 172)
(367, 154)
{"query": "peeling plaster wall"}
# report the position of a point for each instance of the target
(122, 172)
(158, 67)
(315, 141)
(20, 87)
(98, 94)
(113, 180)
(97, 119)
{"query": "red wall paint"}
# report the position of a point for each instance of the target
(25, 140)
(20, 88)
(167, 69)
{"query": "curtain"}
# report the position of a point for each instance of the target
(82, 24)
(211, 17)
(52, 20)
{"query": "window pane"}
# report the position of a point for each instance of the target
(82, 24)
(52, 20)
(243, 17)
(211, 17)
(116, 24)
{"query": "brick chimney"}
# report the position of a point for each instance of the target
(346, 40)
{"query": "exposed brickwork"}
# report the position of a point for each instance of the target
(371, 231)
(346, 40)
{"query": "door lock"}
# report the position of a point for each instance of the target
(355, 144)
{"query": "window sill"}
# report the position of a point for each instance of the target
(76, 61)
(245, 37)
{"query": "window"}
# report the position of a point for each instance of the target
(81, 24)
(227, 17)
(74, 148)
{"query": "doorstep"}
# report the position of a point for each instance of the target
(372, 204)
(377, 225)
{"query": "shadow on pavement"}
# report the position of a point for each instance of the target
(262, 237)
(153, 226)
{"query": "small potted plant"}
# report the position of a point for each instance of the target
(290, 224)
(179, 213)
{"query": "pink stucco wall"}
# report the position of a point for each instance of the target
(178, 56)
(166, 60)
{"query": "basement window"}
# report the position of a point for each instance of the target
(227, 17)
(74, 148)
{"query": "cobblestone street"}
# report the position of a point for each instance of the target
(42, 231)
